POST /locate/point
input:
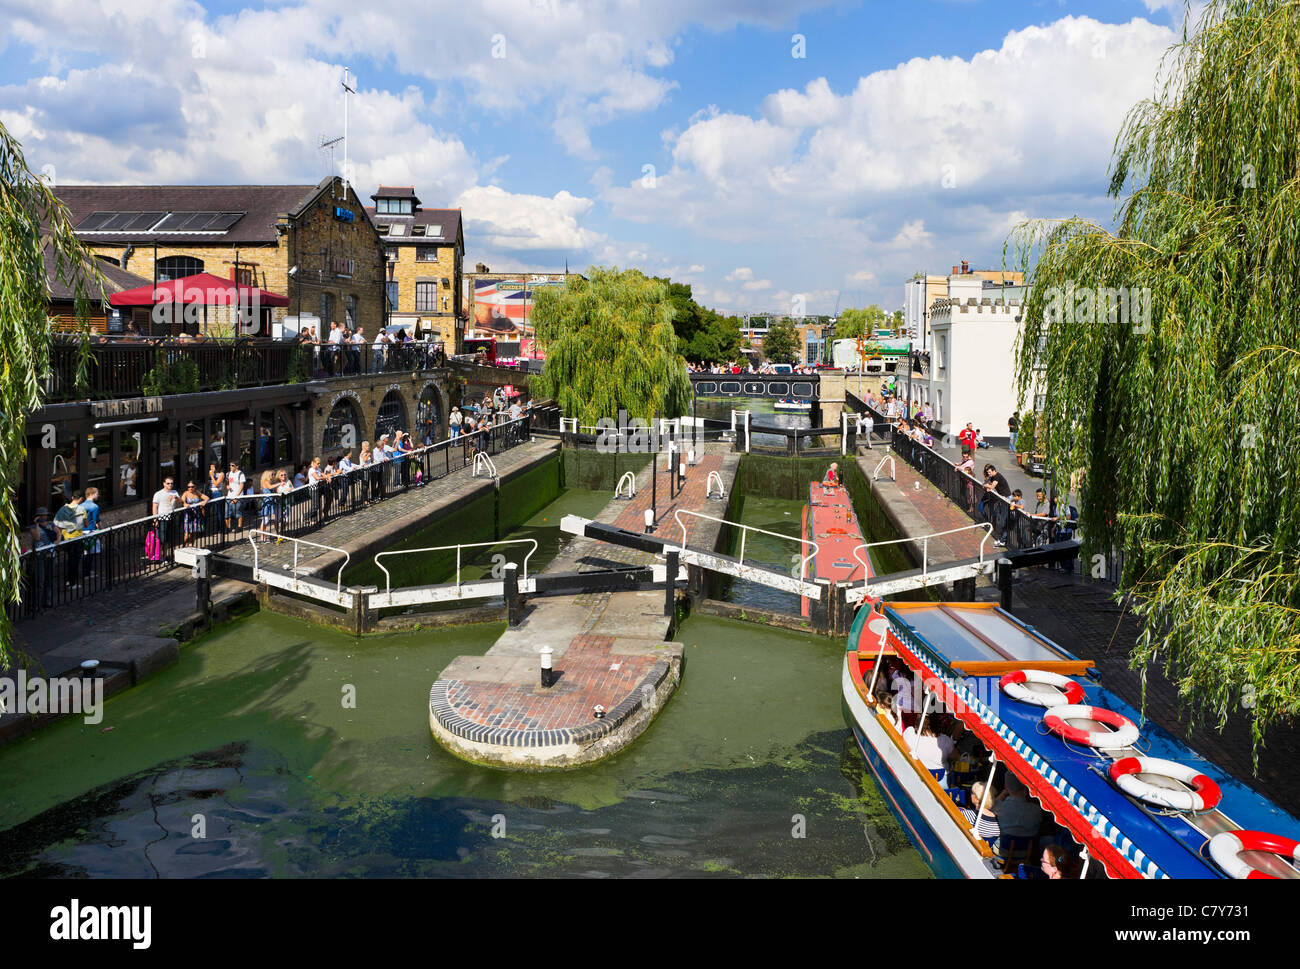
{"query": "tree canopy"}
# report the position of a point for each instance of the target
(703, 335)
(1169, 358)
(781, 345)
(610, 346)
(31, 220)
(855, 322)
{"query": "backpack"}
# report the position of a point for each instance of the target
(152, 547)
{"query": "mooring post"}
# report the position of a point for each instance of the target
(1004, 582)
(203, 582)
(514, 603)
(819, 610)
(548, 676)
(670, 585)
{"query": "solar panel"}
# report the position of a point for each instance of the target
(222, 221)
(141, 221)
(94, 221)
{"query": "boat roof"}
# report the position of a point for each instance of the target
(834, 527)
(970, 646)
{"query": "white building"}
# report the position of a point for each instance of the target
(972, 357)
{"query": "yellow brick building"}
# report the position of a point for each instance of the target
(314, 244)
(425, 256)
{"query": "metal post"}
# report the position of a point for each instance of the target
(514, 605)
(670, 585)
(654, 472)
(1004, 582)
(920, 725)
(880, 658)
(548, 675)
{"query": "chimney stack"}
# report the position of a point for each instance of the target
(965, 267)
(956, 270)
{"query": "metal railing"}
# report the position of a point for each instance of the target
(744, 533)
(70, 570)
(925, 547)
(388, 579)
(293, 571)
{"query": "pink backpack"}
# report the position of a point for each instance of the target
(152, 547)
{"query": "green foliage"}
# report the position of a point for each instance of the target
(31, 219)
(1026, 437)
(179, 376)
(610, 346)
(1179, 413)
(781, 345)
(859, 322)
(298, 369)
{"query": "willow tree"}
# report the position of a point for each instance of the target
(610, 346)
(1169, 358)
(32, 221)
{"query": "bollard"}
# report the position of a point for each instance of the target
(649, 521)
(514, 603)
(1004, 583)
(670, 585)
(548, 676)
(202, 572)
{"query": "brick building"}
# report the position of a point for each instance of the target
(312, 243)
(425, 255)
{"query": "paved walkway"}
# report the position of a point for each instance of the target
(608, 649)
(918, 508)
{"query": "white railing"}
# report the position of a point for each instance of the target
(483, 463)
(708, 490)
(925, 546)
(893, 468)
(630, 479)
(744, 534)
(388, 579)
(347, 557)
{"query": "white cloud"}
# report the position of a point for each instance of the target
(507, 221)
(695, 268)
(758, 284)
(740, 273)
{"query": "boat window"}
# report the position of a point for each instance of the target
(954, 642)
(1011, 639)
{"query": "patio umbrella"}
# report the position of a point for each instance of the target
(203, 289)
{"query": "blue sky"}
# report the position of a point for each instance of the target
(908, 136)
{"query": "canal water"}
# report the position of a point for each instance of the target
(252, 741)
(762, 411)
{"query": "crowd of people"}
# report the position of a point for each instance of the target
(343, 349)
(1004, 813)
(747, 367)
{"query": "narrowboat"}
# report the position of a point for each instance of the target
(793, 404)
(1135, 799)
(832, 539)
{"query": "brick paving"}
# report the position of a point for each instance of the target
(914, 493)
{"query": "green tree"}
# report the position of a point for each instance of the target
(32, 220)
(861, 322)
(781, 345)
(1169, 360)
(610, 346)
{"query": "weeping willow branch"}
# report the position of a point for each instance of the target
(1180, 416)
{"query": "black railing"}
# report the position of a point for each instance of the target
(122, 369)
(65, 573)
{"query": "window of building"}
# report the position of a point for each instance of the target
(244, 276)
(426, 297)
(392, 289)
(943, 352)
(326, 312)
(391, 253)
(426, 253)
(392, 416)
(405, 206)
(428, 417)
(178, 267)
(352, 312)
(342, 427)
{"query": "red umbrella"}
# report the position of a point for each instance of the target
(202, 288)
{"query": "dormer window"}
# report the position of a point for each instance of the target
(392, 206)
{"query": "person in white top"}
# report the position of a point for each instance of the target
(926, 748)
(381, 341)
(234, 496)
(346, 466)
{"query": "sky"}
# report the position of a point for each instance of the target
(775, 154)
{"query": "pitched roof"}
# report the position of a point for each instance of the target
(447, 220)
(394, 192)
(257, 206)
(116, 278)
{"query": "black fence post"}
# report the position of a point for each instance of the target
(514, 604)
(670, 585)
(1004, 582)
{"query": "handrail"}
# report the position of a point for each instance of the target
(708, 488)
(925, 546)
(347, 556)
(388, 579)
(481, 458)
(893, 468)
(744, 530)
(630, 478)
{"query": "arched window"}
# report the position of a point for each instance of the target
(342, 427)
(428, 417)
(392, 416)
(178, 267)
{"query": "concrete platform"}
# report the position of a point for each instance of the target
(609, 648)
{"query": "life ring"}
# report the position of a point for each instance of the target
(1014, 685)
(1204, 796)
(1125, 733)
(1225, 849)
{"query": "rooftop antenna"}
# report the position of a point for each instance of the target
(327, 144)
(346, 91)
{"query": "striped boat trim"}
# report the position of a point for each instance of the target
(1098, 821)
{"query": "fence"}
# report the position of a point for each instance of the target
(71, 570)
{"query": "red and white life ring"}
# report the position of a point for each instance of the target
(1124, 734)
(1204, 796)
(1015, 685)
(1226, 848)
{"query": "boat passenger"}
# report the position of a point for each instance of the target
(987, 828)
(927, 748)
(1060, 864)
(832, 478)
(1018, 815)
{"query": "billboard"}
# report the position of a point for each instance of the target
(505, 303)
